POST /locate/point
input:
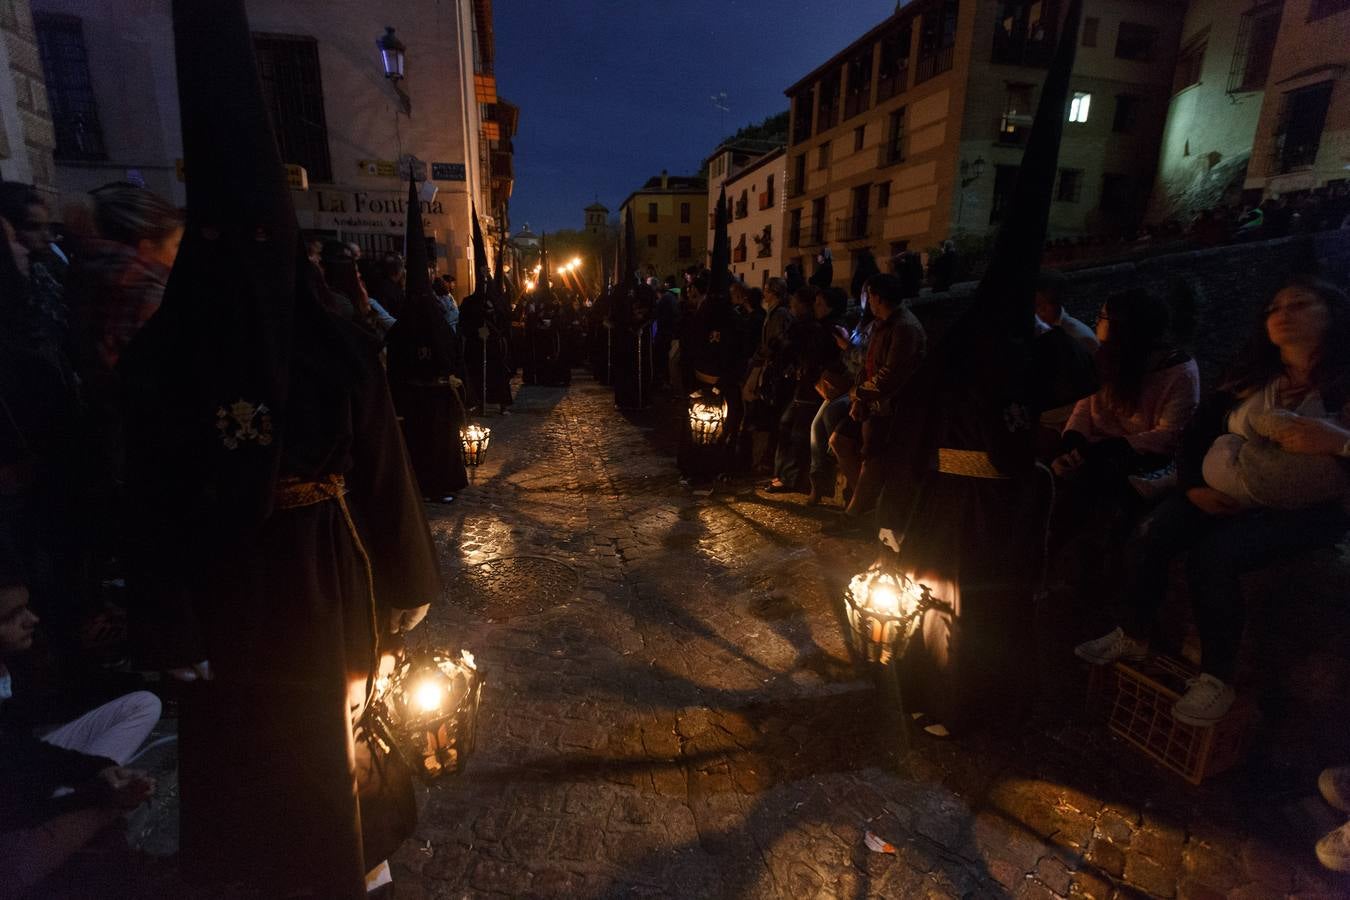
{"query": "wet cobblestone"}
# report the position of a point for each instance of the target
(670, 711)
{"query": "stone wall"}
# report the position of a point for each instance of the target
(1231, 284)
(30, 91)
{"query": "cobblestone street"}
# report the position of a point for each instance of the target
(670, 712)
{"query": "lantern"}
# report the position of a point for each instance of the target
(707, 415)
(474, 440)
(884, 607)
(427, 710)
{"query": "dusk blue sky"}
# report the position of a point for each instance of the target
(613, 91)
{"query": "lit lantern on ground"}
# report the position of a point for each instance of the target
(707, 416)
(428, 710)
(884, 607)
(474, 439)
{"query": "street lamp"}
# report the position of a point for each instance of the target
(392, 52)
(392, 58)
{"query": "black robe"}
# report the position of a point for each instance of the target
(431, 409)
(289, 613)
(485, 357)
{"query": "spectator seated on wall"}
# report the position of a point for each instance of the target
(1290, 388)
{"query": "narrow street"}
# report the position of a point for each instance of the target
(670, 712)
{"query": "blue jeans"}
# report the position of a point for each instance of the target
(1218, 550)
(828, 417)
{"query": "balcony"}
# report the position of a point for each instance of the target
(765, 200)
(856, 227)
(742, 208)
(796, 187)
(738, 255)
(933, 64)
(890, 154)
(502, 165)
(1014, 50)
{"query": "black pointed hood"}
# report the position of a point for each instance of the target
(212, 367)
(630, 263)
(720, 282)
(1005, 299)
(421, 344)
(482, 272)
(544, 288)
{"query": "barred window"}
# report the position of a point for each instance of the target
(70, 92)
(288, 67)
(1255, 48)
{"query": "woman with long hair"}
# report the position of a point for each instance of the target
(1287, 394)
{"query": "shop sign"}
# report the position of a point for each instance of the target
(385, 168)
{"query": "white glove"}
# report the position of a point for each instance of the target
(401, 621)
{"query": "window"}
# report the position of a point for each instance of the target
(893, 151)
(768, 193)
(801, 115)
(828, 114)
(288, 67)
(684, 213)
(1070, 188)
(1127, 113)
(855, 226)
(1136, 42)
(937, 40)
(1018, 113)
(1303, 113)
(1024, 32)
(743, 204)
(651, 240)
(652, 213)
(894, 74)
(823, 156)
(686, 246)
(798, 186)
(883, 195)
(1005, 178)
(739, 253)
(1255, 47)
(1117, 194)
(859, 87)
(1320, 9)
(1090, 26)
(859, 135)
(765, 241)
(1189, 63)
(1079, 106)
(70, 93)
(818, 220)
(795, 228)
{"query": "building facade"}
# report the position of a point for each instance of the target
(1217, 92)
(754, 182)
(669, 216)
(27, 138)
(597, 218)
(1302, 139)
(914, 133)
(355, 133)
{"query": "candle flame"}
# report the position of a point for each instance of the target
(428, 696)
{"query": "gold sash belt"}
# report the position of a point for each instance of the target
(970, 463)
(292, 493)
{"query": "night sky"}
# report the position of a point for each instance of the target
(613, 91)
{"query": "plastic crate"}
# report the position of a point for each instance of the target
(1138, 696)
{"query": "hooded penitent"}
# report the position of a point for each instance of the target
(963, 492)
(720, 282)
(259, 434)
(422, 345)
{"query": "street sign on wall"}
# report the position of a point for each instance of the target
(448, 171)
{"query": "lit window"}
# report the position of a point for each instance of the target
(1078, 109)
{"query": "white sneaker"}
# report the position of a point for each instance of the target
(1333, 850)
(1207, 700)
(1111, 647)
